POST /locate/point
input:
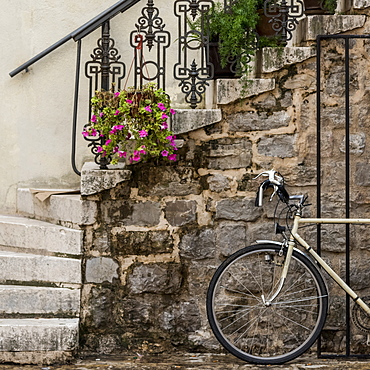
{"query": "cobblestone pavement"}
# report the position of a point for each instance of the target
(192, 361)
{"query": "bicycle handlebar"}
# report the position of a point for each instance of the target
(276, 181)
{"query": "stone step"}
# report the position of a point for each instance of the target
(274, 59)
(231, 90)
(38, 269)
(312, 26)
(23, 300)
(44, 204)
(187, 120)
(25, 335)
(24, 233)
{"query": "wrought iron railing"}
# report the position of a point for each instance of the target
(150, 42)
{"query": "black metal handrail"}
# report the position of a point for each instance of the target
(80, 32)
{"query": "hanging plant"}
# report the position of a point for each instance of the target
(133, 123)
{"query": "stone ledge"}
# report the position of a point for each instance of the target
(312, 26)
(230, 90)
(361, 4)
(94, 180)
(274, 59)
(192, 119)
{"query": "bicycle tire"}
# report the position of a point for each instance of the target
(262, 334)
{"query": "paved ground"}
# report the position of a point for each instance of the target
(192, 361)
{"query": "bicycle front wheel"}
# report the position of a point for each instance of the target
(250, 327)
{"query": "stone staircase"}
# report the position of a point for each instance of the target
(40, 248)
(40, 279)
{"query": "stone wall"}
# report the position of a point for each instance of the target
(162, 233)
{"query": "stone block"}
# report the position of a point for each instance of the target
(27, 335)
(155, 278)
(129, 213)
(281, 146)
(186, 120)
(231, 236)
(198, 245)
(126, 243)
(37, 268)
(218, 183)
(101, 269)
(230, 90)
(237, 209)
(274, 59)
(94, 180)
(180, 212)
(162, 181)
(254, 121)
(20, 232)
(227, 153)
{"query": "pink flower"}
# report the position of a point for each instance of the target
(115, 149)
(143, 133)
(164, 153)
(116, 94)
(122, 154)
(143, 152)
(136, 156)
(172, 157)
(117, 112)
(85, 133)
(108, 142)
(161, 106)
(148, 109)
(164, 116)
(129, 101)
(164, 126)
(169, 137)
(93, 118)
(99, 149)
(172, 111)
(101, 114)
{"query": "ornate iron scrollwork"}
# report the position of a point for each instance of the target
(284, 16)
(193, 45)
(102, 70)
(150, 33)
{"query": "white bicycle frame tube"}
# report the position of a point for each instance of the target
(295, 236)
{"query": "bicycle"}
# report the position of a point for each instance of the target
(267, 303)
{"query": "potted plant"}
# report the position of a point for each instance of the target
(133, 124)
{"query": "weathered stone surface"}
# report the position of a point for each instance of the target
(231, 236)
(274, 59)
(357, 143)
(362, 174)
(303, 81)
(330, 24)
(218, 183)
(198, 245)
(227, 153)
(128, 213)
(180, 212)
(361, 4)
(230, 90)
(94, 180)
(281, 146)
(181, 317)
(29, 335)
(237, 209)
(162, 181)
(126, 243)
(100, 269)
(253, 121)
(15, 299)
(155, 278)
(186, 120)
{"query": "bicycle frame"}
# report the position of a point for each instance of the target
(298, 220)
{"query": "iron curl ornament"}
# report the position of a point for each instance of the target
(284, 16)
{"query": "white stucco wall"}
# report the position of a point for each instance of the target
(37, 106)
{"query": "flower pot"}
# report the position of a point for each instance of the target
(214, 58)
